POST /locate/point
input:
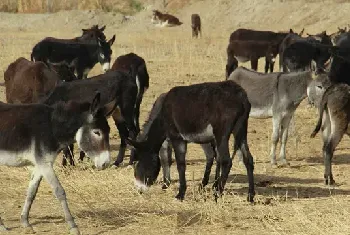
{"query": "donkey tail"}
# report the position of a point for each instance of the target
(322, 107)
(240, 128)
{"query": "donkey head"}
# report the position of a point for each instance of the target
(104, 53)
(147, 167)
(87, 123)
(93, 33)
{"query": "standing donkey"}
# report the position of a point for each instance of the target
(196, 26)
(334, 119)
(135, 65)
(33, 134)
(275, 95)
(206, 114)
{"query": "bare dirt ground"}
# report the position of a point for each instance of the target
(295, 201)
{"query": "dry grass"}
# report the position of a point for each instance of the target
(42, 6)
(295, 202)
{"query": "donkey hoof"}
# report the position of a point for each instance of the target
(274, 165)
(250, 198)
(28, 230)
(129, 167)
(331, 182)
(201, 187)
(3, 228)
(165, 186)
(285, 164)
(179, 197)
(74, 231)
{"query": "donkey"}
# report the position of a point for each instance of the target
(33, 134)
(117, 89)
(135, 65)
(28, 82)
(205, 113)
(165, 20)
(196, 26)
(275, 95)
(166, 150)
(81, 56)
(334, 119)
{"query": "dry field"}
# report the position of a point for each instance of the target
(295, 201)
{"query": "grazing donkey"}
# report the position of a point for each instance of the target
(81, 56)
(334, 119)
(196, 26)
(275, 95)
(204, 113)
(117, 89)
(33, 134)
(165, 151)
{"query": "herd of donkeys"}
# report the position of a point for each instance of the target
(52, 104)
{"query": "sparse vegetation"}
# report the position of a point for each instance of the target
(289, 200)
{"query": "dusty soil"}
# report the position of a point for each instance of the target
(105, 202)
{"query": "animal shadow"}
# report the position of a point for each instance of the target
(338, 159)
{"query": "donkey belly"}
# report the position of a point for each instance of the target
(261, 112)
(242, 59)
(17, 158)
(204, 136)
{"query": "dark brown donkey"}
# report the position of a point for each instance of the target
(204, 113)
(251, 45)
(196, 26)
(135, 65)
(27, 82)
(33, 134)
(117, 88)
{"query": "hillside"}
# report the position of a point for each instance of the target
(289, 200)
(225, 15)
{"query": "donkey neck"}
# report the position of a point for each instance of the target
(65, 126)
(154, 134)
(298, 85)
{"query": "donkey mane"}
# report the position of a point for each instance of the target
(153, 114)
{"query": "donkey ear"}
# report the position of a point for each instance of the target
(95, 105)
(111, 41)
(103, 28)
(109, 108)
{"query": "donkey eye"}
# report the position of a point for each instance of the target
(98, 133)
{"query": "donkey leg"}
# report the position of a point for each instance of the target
(271, 67)
(249, 164)
(254, 64)
(267, 65)
(225, 162)
(68, 155)
(123, 133)
(328, 150)
(71, 156)
(284, 137)
(165, 160)
(31, 193)
(276, 123)
(210, 155)
(180, 149)
(50, 176)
